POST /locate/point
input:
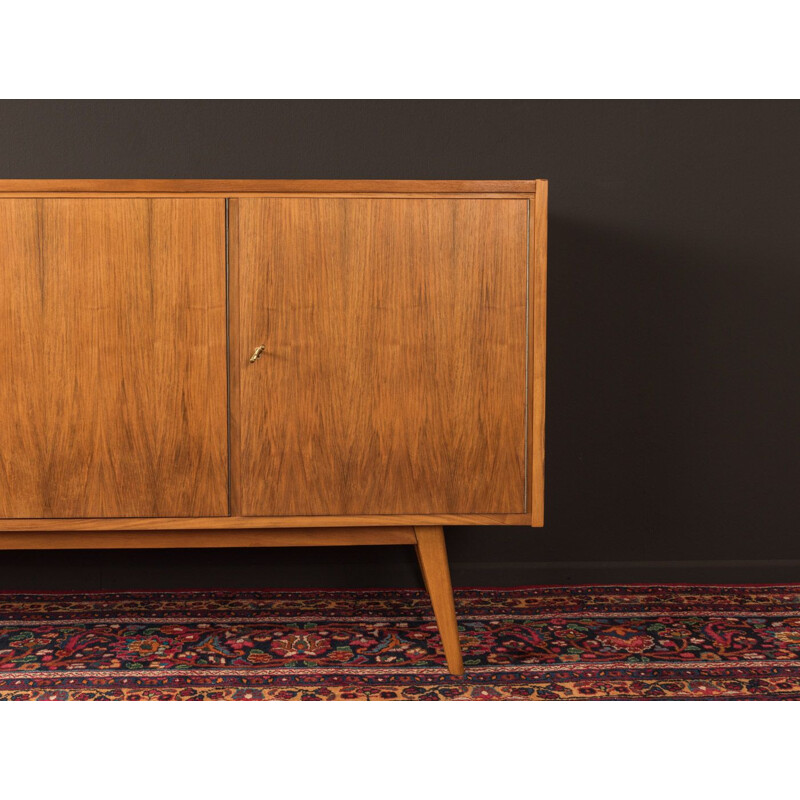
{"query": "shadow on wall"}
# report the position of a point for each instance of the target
(672, 427)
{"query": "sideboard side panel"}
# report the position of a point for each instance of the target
(537, 359)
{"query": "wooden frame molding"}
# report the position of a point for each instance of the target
(264, 537)
(234, 187)
(537, 309)
(245, 523)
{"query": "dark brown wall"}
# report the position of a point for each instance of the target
(673, 417)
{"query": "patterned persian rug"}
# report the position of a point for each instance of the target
(539, 643)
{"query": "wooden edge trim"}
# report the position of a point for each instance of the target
(234, 360)
(538, 330)
(245, 523)
(304, 537)
(244, 186)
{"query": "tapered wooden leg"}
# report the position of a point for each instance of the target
(432, 557)
(421, 568)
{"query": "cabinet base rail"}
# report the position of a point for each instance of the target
(428, 542)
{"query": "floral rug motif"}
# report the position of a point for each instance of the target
(534, 643)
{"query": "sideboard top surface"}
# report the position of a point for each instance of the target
(244, 187)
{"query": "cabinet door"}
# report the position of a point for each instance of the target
(393, 374)
(112, 358)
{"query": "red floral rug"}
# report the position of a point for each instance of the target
(537, 643)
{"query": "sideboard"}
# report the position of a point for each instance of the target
(246, 363)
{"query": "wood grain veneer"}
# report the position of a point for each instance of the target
(112, 358)
(394, 375)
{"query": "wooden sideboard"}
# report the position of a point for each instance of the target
(205, 363)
